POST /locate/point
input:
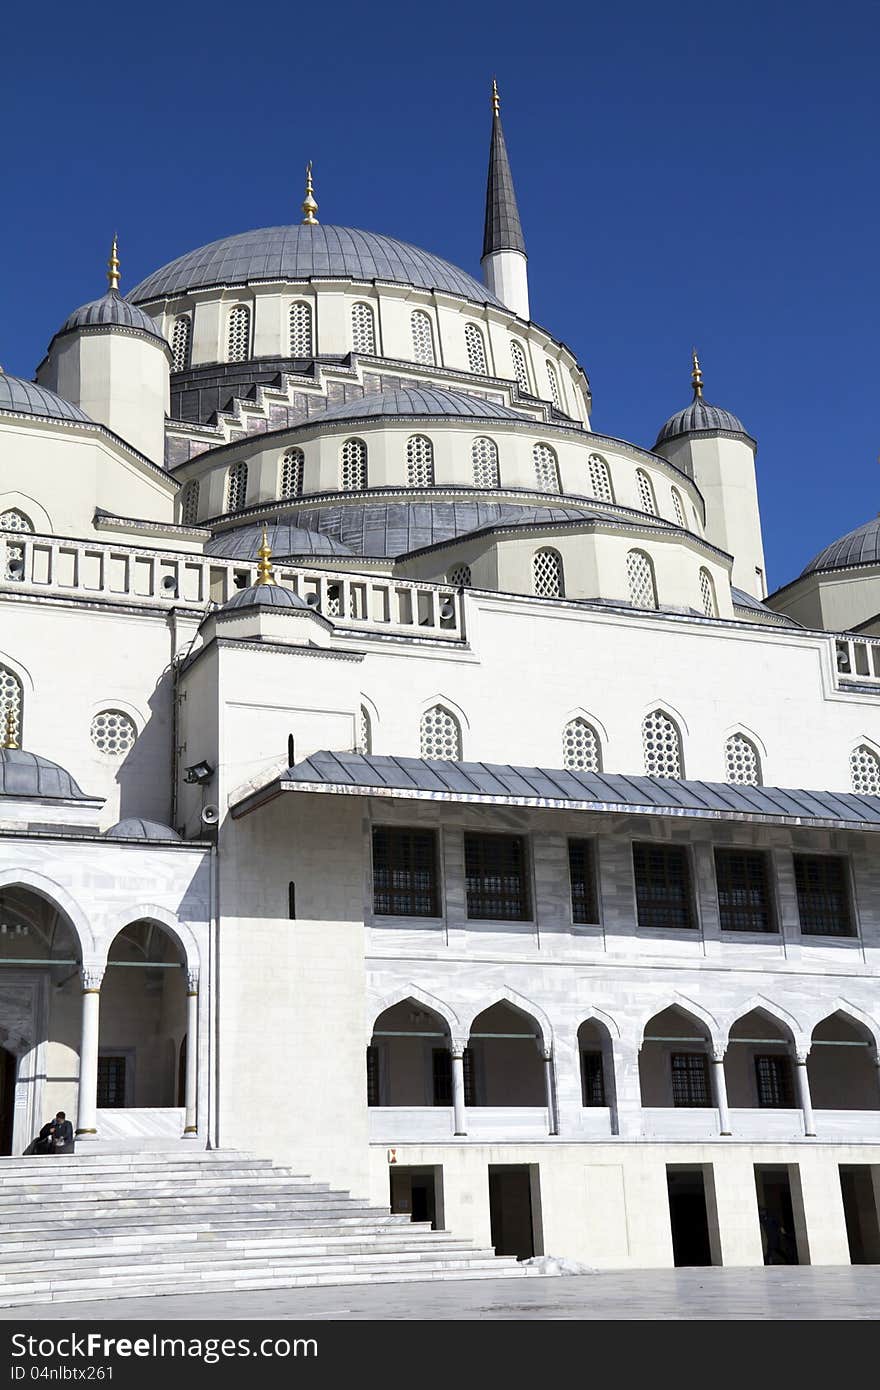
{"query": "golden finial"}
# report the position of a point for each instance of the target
(113, 265)
(697, 377)
(264, 568)
(10, 740)
(309, 207)
(496, 99)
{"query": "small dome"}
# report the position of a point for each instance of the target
(265, 596)
(27, 774)
(111, 311)
(419, 401)
(858, 547)
(135, 829)
(27, 398)
(697, 417)
(285, 539)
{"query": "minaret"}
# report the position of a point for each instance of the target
(504, 261)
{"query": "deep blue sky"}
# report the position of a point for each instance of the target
(687, 173)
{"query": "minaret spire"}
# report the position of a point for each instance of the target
(265, 573)
(697, 377)
(113, 264)
(309, 206)
(504, 247)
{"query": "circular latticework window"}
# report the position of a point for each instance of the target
(580, 747)
(484, 454)
(440, 735)
(742, 761)
(662, 745)
(113, 732)
(864, 766)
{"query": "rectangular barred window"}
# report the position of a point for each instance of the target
(823, 895)
(582, 874)
(663, 886)
(496, 870)
(593, 1079)
(405, 881)
(442, 1069)
(111, 1083)
(745, 898)
(773, 1077)
(372, 1076)
(690, 1079)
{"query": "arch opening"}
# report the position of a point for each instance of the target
(507, 1066)
(674, 1061)
(408, 1059)
(758, 1063)
(841, 1065)
(142, 1020)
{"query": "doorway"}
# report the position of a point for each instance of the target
(858, 1187)
(514, 1198)
(688, 1217)
(781, 1217)
(8, 1068)
(418, 1194)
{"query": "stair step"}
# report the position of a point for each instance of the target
(124, 1264)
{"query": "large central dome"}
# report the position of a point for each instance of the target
(302, 252)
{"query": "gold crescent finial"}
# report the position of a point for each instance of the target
(113, 265)
(10, 739)
(309, 206)
(264, 554)
(496, 99)
(697, 377)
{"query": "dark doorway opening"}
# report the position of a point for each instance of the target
(858, 1186)
(688, 1216)
(418, 1194)
(780, 1213)
(512, 1210)
(7, 1100)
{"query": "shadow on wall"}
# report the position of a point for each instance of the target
(144, 775)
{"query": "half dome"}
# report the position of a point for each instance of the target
(430, 401)
(136, 829)
(28, 775)
(284, 538)
(858, 547)
(27, 398)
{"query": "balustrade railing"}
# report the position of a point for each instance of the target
(858, 660)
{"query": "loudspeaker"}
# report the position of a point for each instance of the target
(447, 608)
(210, 815)
(169, 585)
(15, 567)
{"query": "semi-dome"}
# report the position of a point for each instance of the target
(698, 417)
(27, 774)
(858, 547)
(419, 401)
(136, 829)
(111, 311)
(27, 398)
(284, 538)
(302, 252)
(265, 596)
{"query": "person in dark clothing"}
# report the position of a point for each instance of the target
(56, 1137)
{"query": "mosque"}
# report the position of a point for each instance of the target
(408, 783)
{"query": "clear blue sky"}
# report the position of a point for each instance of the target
(687, 173)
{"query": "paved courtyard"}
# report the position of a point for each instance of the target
(799, 1293)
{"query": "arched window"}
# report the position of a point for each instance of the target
(520, 370)
(460, 576)
(363, 329)
(484, 455)
(864, 766)
(113, 732)
(546, 468)
(11, 705)
(353, 465)
(554, 384)
(661, 742)
(238, 341)
(365, 732)
(640, 573)
(189, 502)
(646, 492)
(290, 479)
(600, 479)
(547, 574)
(422, 337)
(14, 520)
(300, 329)
(419, 461)
(236, 487)
(440, 735)
(181, 341)
(581, 749)
(475, 347)
(707, 594)
(678, 508)
(741, 761)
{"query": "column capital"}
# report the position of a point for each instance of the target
(718, 1053)
(192, 981)
(91, 977)
(546, 1052)
(801, 1054)
(458, 1046)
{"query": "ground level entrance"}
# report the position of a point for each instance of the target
(514, 1195)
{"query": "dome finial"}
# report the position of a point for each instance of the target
(10, 740)
(264, 568)
(113, 264)
(309, 207)
(697, 377)
(496, 99)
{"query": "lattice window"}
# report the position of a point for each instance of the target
(707, 594)
(460, 576)
(663, 887)
(353, 465)
(291, 473)
(547, 574)
(745, 899)
(582, 878)
(554, 384)
(440, 735)
(475, 346)
(646, 492)
(189, 502)
(546, 468)
(640, 573)
(363, 329)
(405, 877)
(496, 881)
(422, 337)
(661, 742)
(592, 1079)
(300, 329)
(741, 760)
(690, 1079)
(678, 508)
(484, 456)
(581, 749)
(365, 731)
(181, 341)
(823, 895)
(236, 487)
(419, 461)
(600, 479)
(113, 732)
(11, 703)
(520, 370)
(238, 342)
(773, 1082)
(14, 520)
(864, 766)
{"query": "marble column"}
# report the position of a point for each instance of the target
(803, 1088)
(87, 1106)
(719, 1091)
(549, 1089)
(191, 1130)
(457, 1047)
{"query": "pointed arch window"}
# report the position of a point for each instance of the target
(363, 329)
(181, 342)
(642, 585)
(475, 346)
(14, 520)
(864, 766)
(707, 594)
(291, 473)
(600, 479)
(554, 384)
(189, 502)
(646, 492)
(238, 340)
(440, 735)
(661, 743)
(547, 573)
(419, 461)
(581, 748)
(365, 731)
(484, 456)
(742, 762)
(460, 576)
(678, 508)
(520, 370)
(546, 468)
(236, 487)
(353, 465)
(300, 329)
(11, 705)
(422, 337)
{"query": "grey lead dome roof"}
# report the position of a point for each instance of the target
(283, 537)
(136, 829)
(27, 398)
(858, 547)
(699, 415)
(27, 774)
(265, 596)
(300, 252)
(419, 400)
(111, 310)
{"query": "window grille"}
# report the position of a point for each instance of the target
(113, 732)
(743, 766)
(353, 465)
(745, 899)
(690, 1079)
(520, 370)
(111, 1083)
(14, 520)
(373, 1097)
(189, 502)
(773, 1079)
(661, 742)
(495, 877)
(707, 594)
(582, 876)
(11, 703)
(236, 487)
(405, 881)
(554, 384)
(181, 339)
(460, 576)
(484, 456)
(864, 766)
(300, 329)
(600, 479)
(581, 749)
(363, 329)
(441, 1067)
(548, 575)
(663, 886)
(823, 895)
(546, 468)
(365, 732)
(592, 1079)
(419, 461)
(293, 466)
(640, 574)
(239, 337)
(475, 346)
(678, 508)
(422, 337)
(646, 492)
(440, 735)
